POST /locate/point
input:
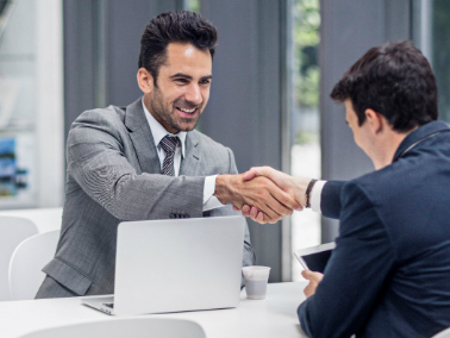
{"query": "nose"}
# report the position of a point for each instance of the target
(193, 94)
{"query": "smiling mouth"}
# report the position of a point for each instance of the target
(189, 111)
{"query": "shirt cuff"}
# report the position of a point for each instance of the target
(209, 200)
(316, 196)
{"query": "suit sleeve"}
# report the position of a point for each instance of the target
(330, 201)
(249, 257)
(357, 271)
(97, 162)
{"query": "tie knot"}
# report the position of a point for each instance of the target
(169, 143)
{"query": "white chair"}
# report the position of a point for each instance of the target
(443, 334)
(143, 327)
(13, 230)
(27, 261)
(46, 219)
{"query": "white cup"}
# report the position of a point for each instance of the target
(256, 277)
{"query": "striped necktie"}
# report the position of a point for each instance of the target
(169, 144)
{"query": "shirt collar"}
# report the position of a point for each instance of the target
(158, 131)
(419, 134)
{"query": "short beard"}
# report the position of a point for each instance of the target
(158, 109)
(167, 116)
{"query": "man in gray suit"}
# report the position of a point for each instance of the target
(146, 161)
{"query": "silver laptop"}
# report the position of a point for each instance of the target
(175, 265)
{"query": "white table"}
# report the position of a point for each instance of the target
(276, 316)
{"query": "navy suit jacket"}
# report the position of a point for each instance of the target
(389, 275)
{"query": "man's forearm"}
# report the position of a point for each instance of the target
(225, 189)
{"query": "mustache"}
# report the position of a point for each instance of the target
(187, 104)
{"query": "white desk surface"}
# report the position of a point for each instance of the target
(276, 316)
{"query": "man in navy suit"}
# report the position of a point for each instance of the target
(389, 275)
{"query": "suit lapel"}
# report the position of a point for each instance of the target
(190, 165)
(142, 138)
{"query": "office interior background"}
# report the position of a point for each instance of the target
(275, 65)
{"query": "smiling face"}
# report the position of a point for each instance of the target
(182, 90)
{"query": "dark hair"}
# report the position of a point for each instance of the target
(175, 26)
(395, 80)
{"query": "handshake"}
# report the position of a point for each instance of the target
(264, 194)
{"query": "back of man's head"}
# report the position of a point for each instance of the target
(395, 80)
(174, 27)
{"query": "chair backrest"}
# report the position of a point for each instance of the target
(443, 334)
(13, 230)
(143, 327)
(27, 261)
(46, 219)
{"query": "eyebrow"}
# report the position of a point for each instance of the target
(188, 77)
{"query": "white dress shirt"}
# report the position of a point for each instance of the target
(316, 194)
(209, 200)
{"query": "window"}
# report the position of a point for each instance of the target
(192, 5)
(440, 53)
(305, 150)
(31, 101)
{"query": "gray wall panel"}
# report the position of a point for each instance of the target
(126, 23)
(244, 109)
(230, 113)
(349, 28)
(78, 49)
(101, 50)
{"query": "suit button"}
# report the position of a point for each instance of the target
(172, 215)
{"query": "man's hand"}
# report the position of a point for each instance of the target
(272, 202)
(294, 186)
(314, 279)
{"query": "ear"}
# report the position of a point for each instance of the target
(375, 120)
(145, 80)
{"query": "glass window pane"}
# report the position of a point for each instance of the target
(18, 83)
(440, 58)
(192, 5)
(305, 151)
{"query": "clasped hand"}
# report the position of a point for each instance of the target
(264, 194)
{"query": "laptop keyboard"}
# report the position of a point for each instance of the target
(111, 305)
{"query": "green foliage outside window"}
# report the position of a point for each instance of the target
(195, 6)
(306, 40)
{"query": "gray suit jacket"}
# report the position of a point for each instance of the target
(114, 175)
